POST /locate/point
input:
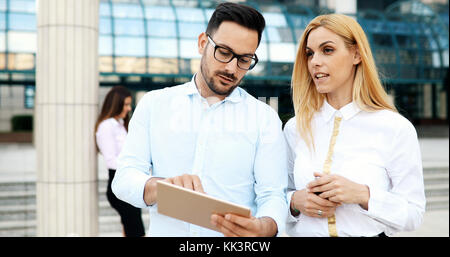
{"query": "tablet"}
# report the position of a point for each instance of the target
(193, 207)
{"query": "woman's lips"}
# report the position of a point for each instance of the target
(320, 77)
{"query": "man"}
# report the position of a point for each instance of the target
(210, 136)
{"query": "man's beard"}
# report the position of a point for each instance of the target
(210, 82)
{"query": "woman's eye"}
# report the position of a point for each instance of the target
(328, 50)
(309, 53)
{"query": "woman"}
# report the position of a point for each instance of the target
(355, 166)
(111, 130)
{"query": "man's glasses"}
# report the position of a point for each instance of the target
(225, 55)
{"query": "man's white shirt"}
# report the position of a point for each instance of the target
(235, 146)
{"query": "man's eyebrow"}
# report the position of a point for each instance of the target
(231, 49)
(324, 43)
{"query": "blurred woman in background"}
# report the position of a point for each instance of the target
(110, 131)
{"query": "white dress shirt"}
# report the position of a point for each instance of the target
(235, 146)
(378, 149)
(110, 135)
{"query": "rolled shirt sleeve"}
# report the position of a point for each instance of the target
(292, 138)
(406, 199)
(270, 171)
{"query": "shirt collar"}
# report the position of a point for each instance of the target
(235, 96)
(346, 112)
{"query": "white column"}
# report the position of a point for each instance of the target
(391, 97)
(262, 99)
(427, 101)
(442, 105)
(273, 102)
(65, 112)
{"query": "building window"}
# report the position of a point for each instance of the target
(29, 97)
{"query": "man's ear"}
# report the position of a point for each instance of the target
(202, 42)
(356, 57)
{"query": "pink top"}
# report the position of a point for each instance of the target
(110, 135)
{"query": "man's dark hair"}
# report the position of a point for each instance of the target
(243, 15)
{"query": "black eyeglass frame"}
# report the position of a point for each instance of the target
(234, 55)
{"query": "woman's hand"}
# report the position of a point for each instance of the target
(338, 189)
(312, 205)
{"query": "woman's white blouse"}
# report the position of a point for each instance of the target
(110, 135)
(379, 149)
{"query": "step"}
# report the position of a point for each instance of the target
(17, 186)
(436, 190)
(17, 198)
(18, 228)
(21, 228)
(437, 203)
(438, 168)
(436, 178)
(18, 212)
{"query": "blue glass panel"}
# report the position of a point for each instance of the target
(380, 39)
(374, 26)
(189, 49)
(191, 30)
(29, 97)
(129, 27)
(299, 21)
(159, 47)
(208, 13)
(274, 36)
(2, 42)
(22, 21)
(105, 45)
(104, 9)
(261, 52)
(402, 28)
(190, 14)
(160, 13)
(127, 10)
(2, 5)
(2, 20)
(130, 46)
(275, 19)
(161, 28)
(282, 52)
(105, 26)
(22, 6)
(22, 42)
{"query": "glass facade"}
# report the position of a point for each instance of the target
(148, 44)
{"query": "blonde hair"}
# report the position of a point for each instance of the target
(368, 92)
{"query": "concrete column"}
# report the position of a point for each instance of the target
(65, 113)
(273, 102)
(442, 105)
(427, 101)
(391, 96)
